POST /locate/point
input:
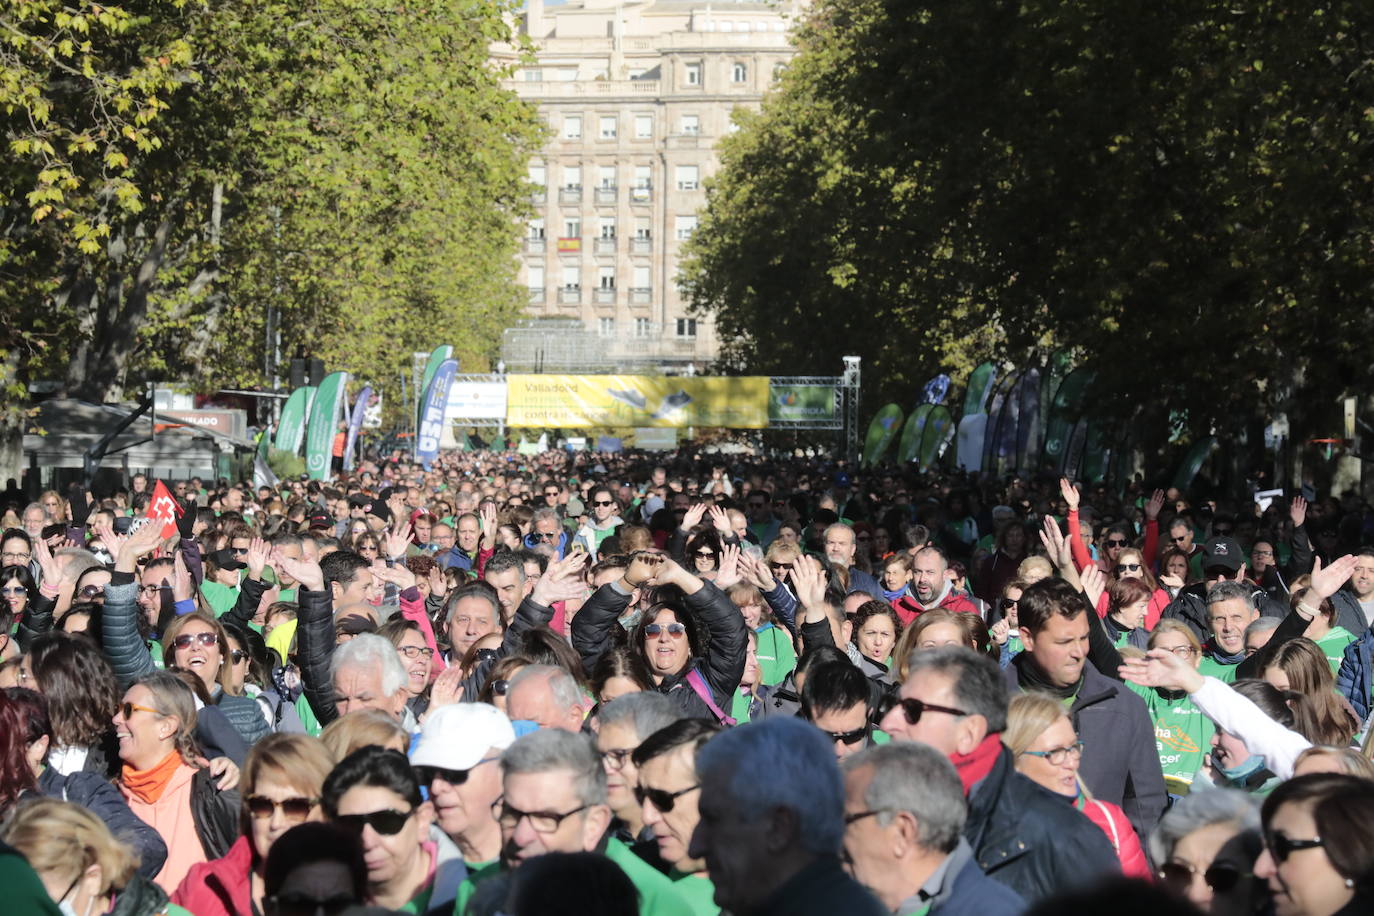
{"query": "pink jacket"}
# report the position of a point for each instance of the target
(1112, 821)
(220, 887)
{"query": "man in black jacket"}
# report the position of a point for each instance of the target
(1120, 758)
(955, 700)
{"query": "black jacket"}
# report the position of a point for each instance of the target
(93, 792)
(1026, 837)
(315, 649)
(216, 813)
(725, 643)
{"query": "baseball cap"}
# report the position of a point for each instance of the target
(320, 520)
(1223, 552)
(224, 559)
(456, 737)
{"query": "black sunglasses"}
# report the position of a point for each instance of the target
(1281, 846)
(1127, 567)
(912, 709)
(427, 774)
(1177, 876)
(663, 801)
(294, 809)
(1117, 542)
(1009, 603)
(603, 502)
(387, 822)
(849, 738)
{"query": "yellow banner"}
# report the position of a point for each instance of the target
(575, 401)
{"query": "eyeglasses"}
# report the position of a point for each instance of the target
(663, 801)
(545, 535)
(90, 591)
(127, 710)
(1183, 651)
(541, 821)
(1056, 756)
(293, 809)
(1127, 567)
(427, 774)
(1178, 875)
(186, 640)
(603, 502)
(913, 709)
(15, 590)
(15, 558)
(387, 822)
(1281, 847)
(860, 815)
(615, 758)
(415, 651)
(674, 629)
(151, 589)
(1117, 542)
(237, 656)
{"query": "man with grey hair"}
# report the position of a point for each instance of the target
(840, 547)
(367, 674)
(772, 845)
(1223, 563)
(1258, 634)
(622, 725)
(547, 695)
(554, 800)
(904, 811)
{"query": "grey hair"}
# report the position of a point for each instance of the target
(838, 526)
(77, 558)
(802, 777)
(915, 778)
(39, 506)
(543, 513)
(1198, 810)
(561, 684)
(367, 650)
(552, 749)
(644, 713)
(1262, 625)
(1227, 590)
(979, 688)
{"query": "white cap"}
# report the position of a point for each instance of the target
(456, 737)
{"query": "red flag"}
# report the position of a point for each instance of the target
(165, 508)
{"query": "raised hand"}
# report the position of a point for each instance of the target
(53, 571)
(1297, 511)
(487, 515)
(720, 520)
(447, 688)
(644, 568)
(141, 543)
(1171, 581)
(728, 572)
(1154, 504)
(1069, 492)
(438, 585)
(1094, 584)
(307, 573)
(562, 581)
(226, 770)
(1056, 545)
(808, 577)
(1161, 668)
(1326, 582)
(259, 552)
(182, 587)
(999, 631)
(693, 516)
(398, 541)
(757, 573)
(398, 575)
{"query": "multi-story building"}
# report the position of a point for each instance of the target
(636, 94)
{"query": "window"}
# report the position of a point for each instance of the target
(534, 76)
(643, 175)
(572, 278)
(605, 277)
(572, 228)
(539, 176)
(607, 224)
(686, 327)
(605, 176)
(641, 279)
(687, 177)
(536, 277)
(537, 228)
(691, 124)
(642, 229)
(607, 127)
(572, 177)
(605, 327)
(644, 127)
(692, 75)
(572, 127)
(685, 226)
(739, 73)
(642, 327)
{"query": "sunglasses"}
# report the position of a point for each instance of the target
(90, 591)
(780, 566)
(1179, 539)
(674, 629)
(1117, 542)
(237, 656)
(1127, 567)
(500, 688)
(1221, 532)
(427, 774)
(293, 809)
(662, 801)
(1281, 847)
(1220, 878)
(912, 710)
(603, 502)
(851, 737)
(127, 710)
(15, 590)
(545, 536)
(186, 640)
(1009, 603)
(387, 822)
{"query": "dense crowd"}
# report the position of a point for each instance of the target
(683, 684)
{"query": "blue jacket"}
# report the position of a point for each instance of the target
(1353, 678)
(969, 892)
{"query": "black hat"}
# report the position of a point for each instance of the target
(319, 519)
(1224, 553)
(380, 510)
(359, 501)
(224, 559)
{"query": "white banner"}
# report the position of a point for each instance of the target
(476, 401)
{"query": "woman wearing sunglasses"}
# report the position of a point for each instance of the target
(1130, 565)
(197, 643)
(1318, 857)
(281, 786)
(162, 780)
(1048, 752)
(1204, 848)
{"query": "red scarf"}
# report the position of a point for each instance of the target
(975, 767)
(148, 785)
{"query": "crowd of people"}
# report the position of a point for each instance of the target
(684, 684)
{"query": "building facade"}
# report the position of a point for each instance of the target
(636, 95)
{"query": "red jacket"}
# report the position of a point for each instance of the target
(220, 887)
(1112, 821)
(908, 608)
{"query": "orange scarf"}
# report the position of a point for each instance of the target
(148, 785)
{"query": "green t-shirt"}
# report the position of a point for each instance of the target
(1183, 735)
(698, 891)
(739, 706)
(657, 895)
(1333, 646)
(776, 655)
(312, 724)
(221, 598)
(1213, 668)
(469, 885)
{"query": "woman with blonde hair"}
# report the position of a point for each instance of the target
(1182, 732)
(941, 627)
(1047, 752)
(162, 780)
(80, 862)
(281, 785)
(360, 728)
(1322, 758)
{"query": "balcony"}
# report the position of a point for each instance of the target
(605, 295)
(569, 295)
(535, 245)
(641, 246)
(536, 294)
(606, 194)
(572, 194)
(604, 246)
(569, 244)
(641, 295)
(641, 196)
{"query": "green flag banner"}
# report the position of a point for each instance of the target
(1065, 412)
(912, 433)
(324, 422)
(291, 428)
(436, 359)
(881, 432)
(939, 428)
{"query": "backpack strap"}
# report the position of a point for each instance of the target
(701, 689)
